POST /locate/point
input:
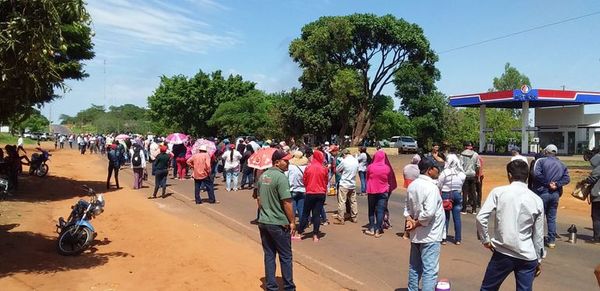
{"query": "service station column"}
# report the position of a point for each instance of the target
(482, 127)
(524, 126)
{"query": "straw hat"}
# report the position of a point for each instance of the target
(299, 159)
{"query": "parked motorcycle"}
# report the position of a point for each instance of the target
(76, 233)
(38, 164)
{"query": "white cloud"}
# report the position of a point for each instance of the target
(156, 23)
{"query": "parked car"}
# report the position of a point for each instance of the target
(406, 144)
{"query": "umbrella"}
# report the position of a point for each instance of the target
(261, 159)
(210, 146)
(122, 137)
(177, 138)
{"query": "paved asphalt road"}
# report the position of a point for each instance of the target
(360, 262)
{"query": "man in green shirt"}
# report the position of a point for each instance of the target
(276, 221)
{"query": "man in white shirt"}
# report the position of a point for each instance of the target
(518, 240)
(20, 141)
(425, 221)
(348, 168)
(517, 156)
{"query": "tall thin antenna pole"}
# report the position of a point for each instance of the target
(105, 83)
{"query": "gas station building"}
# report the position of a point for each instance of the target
(559, 117)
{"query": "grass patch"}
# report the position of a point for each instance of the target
(577, 164)
(7, 138)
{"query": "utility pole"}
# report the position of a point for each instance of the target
(563, 87)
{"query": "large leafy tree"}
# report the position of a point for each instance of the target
(352, 58)
(389, 122)
(186, 104)
(509, 80)
(42, 44)
(32, 121)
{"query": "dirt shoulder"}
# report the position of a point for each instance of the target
(142, 244)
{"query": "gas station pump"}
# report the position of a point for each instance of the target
(534, 147)
(490, 147)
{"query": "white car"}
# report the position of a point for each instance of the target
(406, 144)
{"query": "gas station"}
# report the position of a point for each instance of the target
(559, 117)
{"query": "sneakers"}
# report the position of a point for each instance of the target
(551, 245)
(369, 232)
(337, 220)
(444, 242)
(354, 220)
(378, 234)
(235, 189)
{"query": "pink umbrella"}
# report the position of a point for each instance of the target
(177, 138)
(210, 146)
(261, 159)
(122, 137)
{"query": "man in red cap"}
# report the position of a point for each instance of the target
(276, 221)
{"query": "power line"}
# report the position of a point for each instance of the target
(520, 32)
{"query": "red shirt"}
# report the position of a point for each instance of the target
(315, 175)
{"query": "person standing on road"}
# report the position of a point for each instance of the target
(276, 221)
(138, 164)
(426, 226)
(315, 181)
(347, 168)
(411, 171)
(594, 179)
(161, 170)
(451, 181)
(247, 177)
(470, 164)
(114, 164)
(518, 240)
(379, 186)
(200, 162)
(231, 168)
(363, 161)
(296, 177)
(550, 175)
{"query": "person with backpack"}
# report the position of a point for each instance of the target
(114, 164)
(450, 182)
(470, 163)
(364, 159)
(138, 164)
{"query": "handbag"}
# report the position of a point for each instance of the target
(582, 191)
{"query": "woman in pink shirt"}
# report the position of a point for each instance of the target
(380, 182)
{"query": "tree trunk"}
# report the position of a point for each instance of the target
(361, 126)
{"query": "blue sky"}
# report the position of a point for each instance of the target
(141, 40)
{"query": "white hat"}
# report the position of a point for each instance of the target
(326, 143)
(203, 148)
(551, 148)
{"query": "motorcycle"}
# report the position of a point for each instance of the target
(38, 164)
(76, 233)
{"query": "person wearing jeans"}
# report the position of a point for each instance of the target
(276, 222)
(450, 182)
(295, 175)
(425, 221)
(232, 160)
(363, 162)
(161, 171)
(315, 181)
(381, 181)
(200, 163)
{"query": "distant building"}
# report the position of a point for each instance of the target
(568, 127)
(4, 129)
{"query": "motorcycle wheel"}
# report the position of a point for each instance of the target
(42, 170)
(71, 242)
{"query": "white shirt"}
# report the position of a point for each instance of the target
(142, 156)
(519, 157)
(424, 203)
(296, 178)
(518, 223)
(451, 179)
(20, 141)
(231, 163)
(154, 150)
(362, 162)
(348, 168)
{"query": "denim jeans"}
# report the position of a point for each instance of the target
(376, 209)
(232, 178)
(276, 239)
(424, 264)
(456, 198)
(207, 184)
(550, 208)
(363, 182)
(247, 178)
(298, 202)
(160, 181)
(313, 203)
(501, 266)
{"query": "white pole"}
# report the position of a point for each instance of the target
(482, 126)
(524, 125)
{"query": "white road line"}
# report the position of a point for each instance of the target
(330, 268)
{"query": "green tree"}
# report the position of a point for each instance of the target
(33, 121)
(358, 54)
(42, 44)
(186, 104)
(511, 79)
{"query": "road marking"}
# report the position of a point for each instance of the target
(330, 268)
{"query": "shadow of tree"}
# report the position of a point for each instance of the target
(28, 252)
(53, 188)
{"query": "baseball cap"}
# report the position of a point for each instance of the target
(426, 164)
(280, 155)
(551, 148)
(326, 143)
(203, 148)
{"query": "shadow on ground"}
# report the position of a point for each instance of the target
(52, 188)
(28, 252)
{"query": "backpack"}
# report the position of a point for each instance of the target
(469, 164)
(136, 160)
(113, 156)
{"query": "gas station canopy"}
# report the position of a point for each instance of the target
(523, 98)
(536, 98)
